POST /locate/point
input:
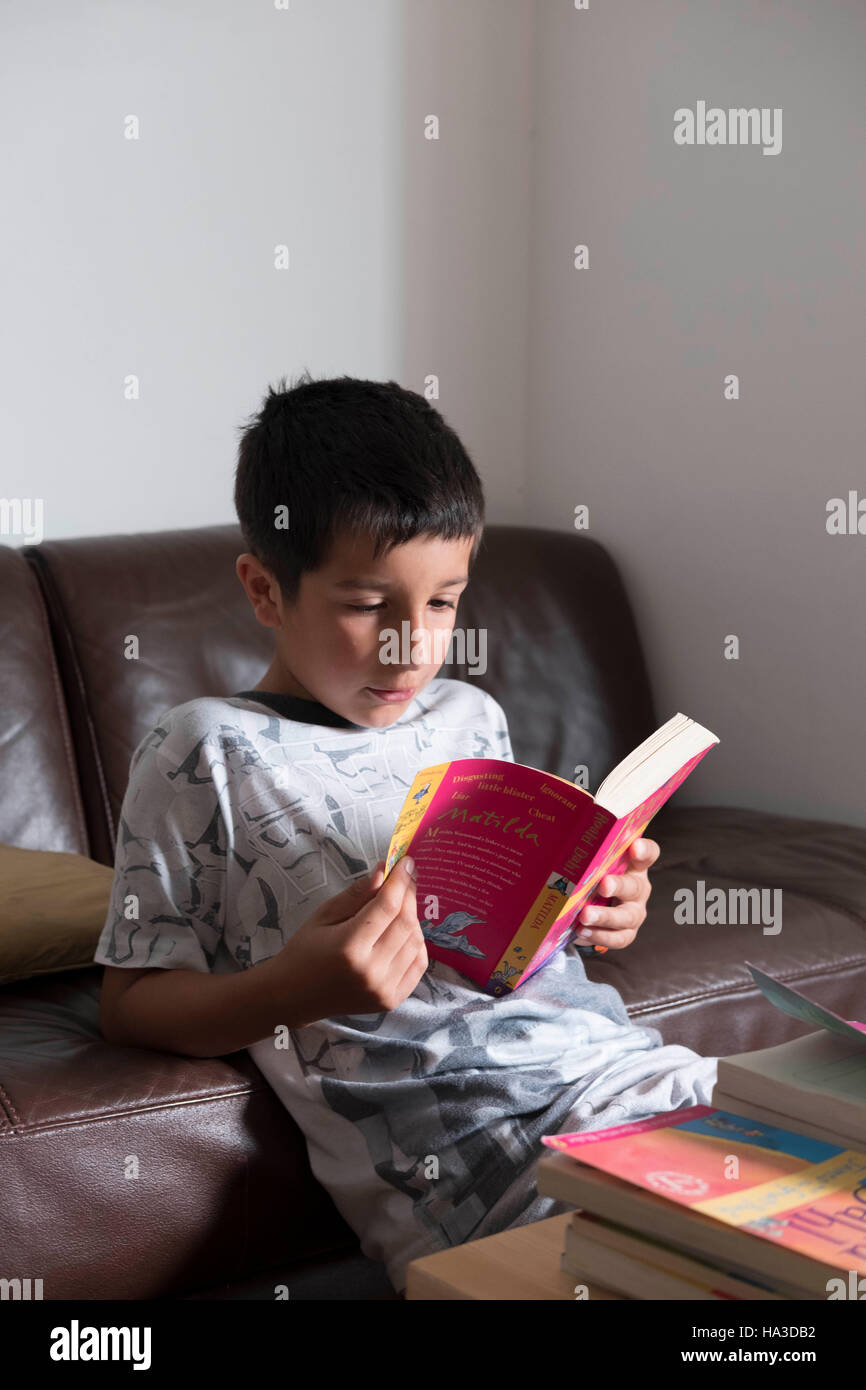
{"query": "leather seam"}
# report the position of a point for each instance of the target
(64, 634)
(24, 1130)
(9, 1108)
(744, 990)
(61, 708)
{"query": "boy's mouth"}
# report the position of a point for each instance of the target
(391, 696)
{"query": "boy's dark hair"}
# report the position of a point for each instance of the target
(365, 455)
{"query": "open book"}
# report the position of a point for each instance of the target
(507, 855)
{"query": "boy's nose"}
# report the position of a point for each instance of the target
(419, 645)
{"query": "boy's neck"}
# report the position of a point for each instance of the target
(302, 710)
(278, 680)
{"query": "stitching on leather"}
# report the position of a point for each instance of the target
(731, 991)
(94, 744)
(22, 1129)
(60, 706)
(65, 634)
(6, 1101)
(858, 918)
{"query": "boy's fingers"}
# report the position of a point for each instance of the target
(379, 913)
(644, 852)
(628, 917)
(616, 939)
(614, 926)
(352, 899)
(623, 886)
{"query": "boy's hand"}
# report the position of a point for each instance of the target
(362, 951)
(618, 926)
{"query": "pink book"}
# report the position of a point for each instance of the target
(508, 855)
(798, 1193)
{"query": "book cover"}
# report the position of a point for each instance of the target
(790, 1001)
(780, 1119)
(507, 856)
(798, 1193)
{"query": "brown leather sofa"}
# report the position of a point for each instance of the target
(226, 1205)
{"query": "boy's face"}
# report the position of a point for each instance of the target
(329, 649)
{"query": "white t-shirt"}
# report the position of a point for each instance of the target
(242, 815)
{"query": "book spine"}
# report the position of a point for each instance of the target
(730, 1104)
(416, 807)
(535, 939)
(587, 845)
(579, 871)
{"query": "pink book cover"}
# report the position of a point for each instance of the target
(798, 1192)
(506, 857)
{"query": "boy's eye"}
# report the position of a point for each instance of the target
(373, 607)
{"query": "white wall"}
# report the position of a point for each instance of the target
(703, 262)
(468, 225)
(155, 257)
(412, 257)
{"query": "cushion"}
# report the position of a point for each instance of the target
(52, 910)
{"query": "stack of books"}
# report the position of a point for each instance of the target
(761, 1195)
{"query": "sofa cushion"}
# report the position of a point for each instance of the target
(177, 593)
(41, 806)
(52, 910)
(691, 981)
(193, 1164)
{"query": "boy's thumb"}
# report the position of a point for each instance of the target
(377, 876)
(362, 889)
(391, 890)
(369, 882)
(350, 899)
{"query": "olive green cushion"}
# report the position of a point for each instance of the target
(53, 907)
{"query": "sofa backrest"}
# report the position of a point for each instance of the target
(563, 656)
(176, 594)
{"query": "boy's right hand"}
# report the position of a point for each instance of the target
(362, 951)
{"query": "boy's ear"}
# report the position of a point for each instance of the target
(261, 588)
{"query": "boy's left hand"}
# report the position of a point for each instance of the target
(618, 926)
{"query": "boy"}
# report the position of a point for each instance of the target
(244, 912)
